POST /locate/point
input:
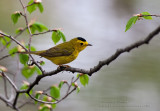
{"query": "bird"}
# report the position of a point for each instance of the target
(63, 53)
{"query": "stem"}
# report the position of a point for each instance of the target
(5, 88)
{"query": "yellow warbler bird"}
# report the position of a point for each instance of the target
(63, 53)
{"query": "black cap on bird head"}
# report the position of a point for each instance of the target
(82, 39)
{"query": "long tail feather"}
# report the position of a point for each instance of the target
(32, 52)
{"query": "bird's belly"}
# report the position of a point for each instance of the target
(62, 59)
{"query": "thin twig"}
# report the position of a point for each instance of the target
(46, 102)
(150, 15)
(67, 95)
(6, 56)
(42, 32)
(5, 88)
(49, 96)
(27, 24)
(16, 41)
(29, 5)
(5, 101)
(25, 103)
(69, 87)
(14, 38)
(10, 81)
(8, 103)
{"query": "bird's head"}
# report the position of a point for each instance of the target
(80, 43)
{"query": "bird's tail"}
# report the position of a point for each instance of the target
(32, 52)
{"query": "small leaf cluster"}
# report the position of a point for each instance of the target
(57, 35)
(37, 26)
(84, 79)
(43, 106)
(15, 16)
(25, 86)
(28, 69)
(33, 5)
(133, 20)
(51, 97)
(5, 41)
(54, 93)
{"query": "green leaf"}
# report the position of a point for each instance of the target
(40, 6)
(78, 75)
(62, 36)
(44, 108)
(19, 30)
(5, 41)
(15, 16)
(32, 48)
(13, 50)
(37, 26)
(45, 98)
(55, 37)
(23, 58)
(32, 7)
(61, 84)
(130, 22)
(146, 17)
(78, 89)
(84, 79)
(24, 86)
(53, 105)
(33, 29)
(38, 70)
(37, 97)
(27, 72)
(42, 63)
(55, 92)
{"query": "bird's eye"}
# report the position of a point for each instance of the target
(81, 43)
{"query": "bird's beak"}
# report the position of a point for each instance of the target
(89, 44)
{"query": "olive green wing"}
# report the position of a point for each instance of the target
(63, 49)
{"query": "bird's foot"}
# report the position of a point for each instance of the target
(62, 67)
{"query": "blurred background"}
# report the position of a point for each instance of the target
(130, 83)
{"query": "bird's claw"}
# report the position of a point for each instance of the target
(62, 67)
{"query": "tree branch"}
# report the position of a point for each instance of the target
(113, 57)
(16, 98)
(8, 103)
